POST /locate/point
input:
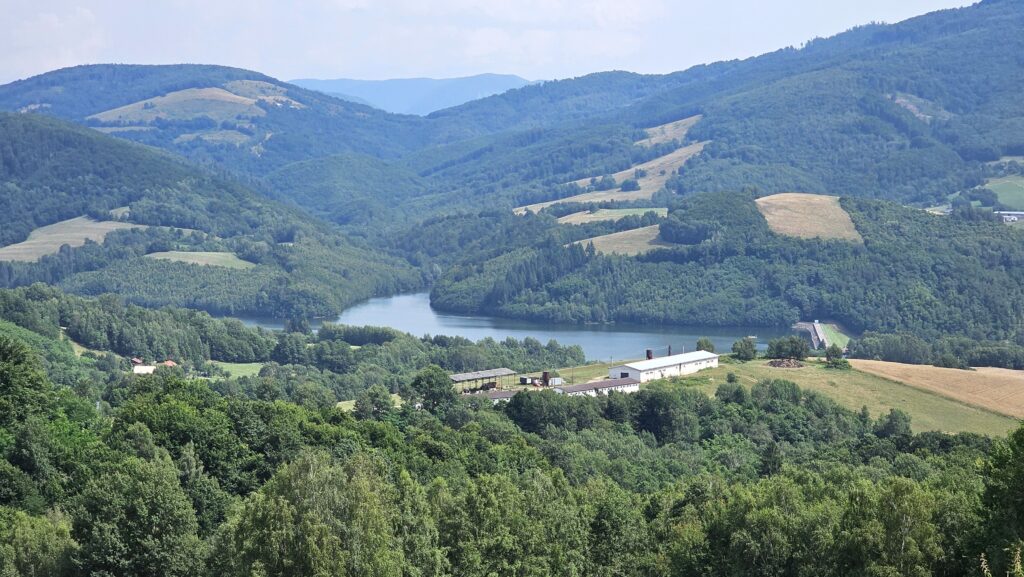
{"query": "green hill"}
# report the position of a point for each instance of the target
(53, 171)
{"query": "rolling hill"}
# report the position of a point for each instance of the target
(56, 175)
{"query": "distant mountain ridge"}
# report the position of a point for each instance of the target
(419, 96)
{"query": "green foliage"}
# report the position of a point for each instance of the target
(433, 388)
(36, 546)
(705, 344)
(136, 520)
(745, 349)
(791, 347)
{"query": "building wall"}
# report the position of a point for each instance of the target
(662, 372)
(623, 372)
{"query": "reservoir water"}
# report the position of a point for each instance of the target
(411, 313)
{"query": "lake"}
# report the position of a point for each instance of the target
(411, 313)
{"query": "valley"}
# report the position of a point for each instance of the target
(420, 328)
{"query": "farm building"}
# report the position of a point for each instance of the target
(500, 396)
(600, 388)
(664, 367)
(143, 369)
(483, 380)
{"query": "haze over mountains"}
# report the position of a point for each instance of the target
(419, 96)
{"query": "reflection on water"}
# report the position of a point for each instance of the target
(411, 313)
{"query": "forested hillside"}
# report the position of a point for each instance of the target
(906, 111)
(914, 272)
(52, 171)
(179, 477)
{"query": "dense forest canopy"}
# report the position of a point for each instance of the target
(174, 476)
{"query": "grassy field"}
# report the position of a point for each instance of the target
(216, 103)
(808, 216)
(668, 132)
(240, 369)
(351, 405)
(628, 242)
(1009, 189)
(854, 389)
(834, 335)
(224, 259)
(996, 390)
(586, 216)
(48, 239)
(658, 170)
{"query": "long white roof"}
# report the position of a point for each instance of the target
(673, 360)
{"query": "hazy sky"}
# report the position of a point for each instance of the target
(536, 39)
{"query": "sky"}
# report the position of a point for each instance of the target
(376, 39)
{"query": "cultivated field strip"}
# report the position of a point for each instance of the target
(73, 232)
(808, 216)
(997, 390)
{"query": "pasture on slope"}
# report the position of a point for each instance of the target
(628, 242)
(997, 390)
(585, 216)
(855, 388)
(1009, 189)
(808, 216)
(658, 170)
(73, 232)
(668, 132)
(224, 259)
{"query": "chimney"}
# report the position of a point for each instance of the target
(670, 350)
(650, 354)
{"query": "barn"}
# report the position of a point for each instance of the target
(664, 367)
(599, 388)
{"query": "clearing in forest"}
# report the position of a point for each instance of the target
(586, 216)
(808, 216)
(1009, 189)
(48, 239)
(224, 259)
(239, 370)
(658, 171)
(628, 242)
(997, 390)
(856, 388)
(668, 132)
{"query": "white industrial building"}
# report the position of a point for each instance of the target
(665, 367)
(599, 388)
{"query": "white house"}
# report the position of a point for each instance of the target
(143, 369)
(664, 367)
(599, 388)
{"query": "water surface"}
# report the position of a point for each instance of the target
(411, 313)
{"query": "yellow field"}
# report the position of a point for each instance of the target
(658, 170)
(628, 242)
(586, 216)
(997, 390)
(48, 239)
(224, 259)
(854, 389)
(808, 216)
(668, 132)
